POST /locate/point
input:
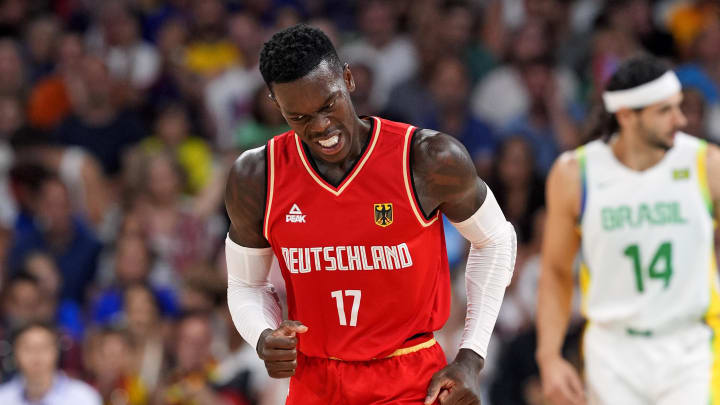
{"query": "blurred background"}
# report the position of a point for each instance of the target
(119, 120)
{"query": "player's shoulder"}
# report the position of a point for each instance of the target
(712, 158)
(567, 165)
(250, 163)
(564, 180)
(247, 175)
(691, 146)
(434, 147)
(713, 152)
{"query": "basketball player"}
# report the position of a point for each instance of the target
(351, 208)
(639, 204)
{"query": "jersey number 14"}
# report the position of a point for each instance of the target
(660, 265)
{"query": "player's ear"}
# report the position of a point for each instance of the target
(625, 117)
(348, 77)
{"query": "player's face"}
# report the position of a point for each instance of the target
(658, 123)
(318, 108)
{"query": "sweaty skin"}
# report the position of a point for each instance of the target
(318, 107)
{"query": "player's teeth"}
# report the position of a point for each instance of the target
(330, 142)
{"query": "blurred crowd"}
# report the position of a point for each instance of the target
(119, 120)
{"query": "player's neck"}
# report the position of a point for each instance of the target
(361, 132)
(635, 153)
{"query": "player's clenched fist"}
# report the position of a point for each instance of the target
(278, 348)
(458, 382)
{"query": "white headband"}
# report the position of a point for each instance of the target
(644, 94)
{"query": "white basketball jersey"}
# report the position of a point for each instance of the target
(648, 260)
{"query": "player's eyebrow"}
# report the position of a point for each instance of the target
(325, 103)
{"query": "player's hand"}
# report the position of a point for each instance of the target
(458, 383)
(561, 384)
(278, 348)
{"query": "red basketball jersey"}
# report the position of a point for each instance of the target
(364, 269)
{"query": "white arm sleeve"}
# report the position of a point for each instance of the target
(488, 272)
(253, 304)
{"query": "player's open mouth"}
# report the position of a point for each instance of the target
(330, 142)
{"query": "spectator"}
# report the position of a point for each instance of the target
(174, 83)
(229, 97)
(176, 227)
(41, 39)
(518, 187)
(11, 120)
(688, 18)
(36, 349)
(129, 59)
(265, 122)
(112, 369)
(693, 106)
(25, 299)
(133, 261)
(529, 42)
(393, 57)
(209, 52)
(361, 97)
(90, 197)
(548, 125)
(12, 70)
(634, 19)
(26, 178)
(204, 290)
(701, 72)
(67, 314)
(65, 236)
(49, 101)
(191, 381)
(173, 135)
(97, 124)
(19, 297)
(148, 331)
(449, 86)
(12, 15)
(457, 31)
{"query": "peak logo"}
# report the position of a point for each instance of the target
(295, 215)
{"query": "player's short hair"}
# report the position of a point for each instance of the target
(294, 52)
(631, 73)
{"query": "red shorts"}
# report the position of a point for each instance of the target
(401, 379)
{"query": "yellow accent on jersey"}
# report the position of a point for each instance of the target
(584, 286)
(702, 176)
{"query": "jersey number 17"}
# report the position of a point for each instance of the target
(338, 295)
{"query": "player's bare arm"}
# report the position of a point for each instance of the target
(713, 176)
(445, 179)
(713, 168)
(561, 383)
(245, 203)
(445, 176)
(245, 199)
